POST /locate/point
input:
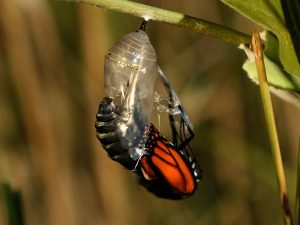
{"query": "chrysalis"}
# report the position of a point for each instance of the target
(167, 169)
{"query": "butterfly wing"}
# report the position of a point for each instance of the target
(165, 171)
(181, 126)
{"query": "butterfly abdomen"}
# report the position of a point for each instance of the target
(106, 125)
(107, 131)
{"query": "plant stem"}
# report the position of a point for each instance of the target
(162, 15)
(271, 127)
(12, 204)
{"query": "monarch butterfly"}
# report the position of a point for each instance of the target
(167, 169)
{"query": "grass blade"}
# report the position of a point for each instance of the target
(12, 202)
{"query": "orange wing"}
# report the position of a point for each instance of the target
(167, 164)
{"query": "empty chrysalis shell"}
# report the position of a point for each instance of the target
(130, 74)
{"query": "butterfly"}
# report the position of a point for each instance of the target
(166, 168)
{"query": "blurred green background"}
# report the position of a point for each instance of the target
(51, 82)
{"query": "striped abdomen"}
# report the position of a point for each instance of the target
(107, 132)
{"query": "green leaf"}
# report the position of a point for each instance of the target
(282, 84)
(269, 14)
(276, 76)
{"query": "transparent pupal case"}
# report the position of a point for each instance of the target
(131, 79)
(130, 75)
